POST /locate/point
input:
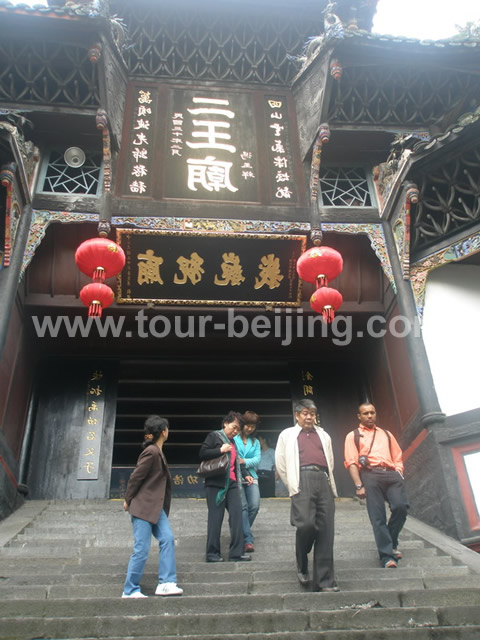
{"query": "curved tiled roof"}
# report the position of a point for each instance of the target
(71, 11)
(328, 42)
(465, 120)
(454, 41)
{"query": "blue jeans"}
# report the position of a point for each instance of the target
(250, 507)
(142, 535)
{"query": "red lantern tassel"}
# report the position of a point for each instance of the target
(328, 313)
(99, 274)
(95, 309)
(322, 280)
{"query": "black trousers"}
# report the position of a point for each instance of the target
(313, 514)
(385, 486)
(216, 514)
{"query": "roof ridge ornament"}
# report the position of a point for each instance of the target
(332, 25)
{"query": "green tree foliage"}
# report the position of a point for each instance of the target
(470, 30)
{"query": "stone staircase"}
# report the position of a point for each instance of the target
(62, 567)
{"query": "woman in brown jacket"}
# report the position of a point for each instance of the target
(147, 499)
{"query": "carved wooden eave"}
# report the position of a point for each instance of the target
(466, 126)
(427, 159)
(73, 26)
(447, 172)
(86, 26)
(358, 49)
(17, 174)
(11, 134)
(370, 89)
(58, 9)
(431, 153)
(362, 47)
(113, 86)
(312, 86)
(310, 90)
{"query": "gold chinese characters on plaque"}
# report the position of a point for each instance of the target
(211, 268)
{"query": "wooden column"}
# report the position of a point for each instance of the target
(9, 276)
(427, 396)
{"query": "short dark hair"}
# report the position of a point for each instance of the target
(366, 404)
(154, 426)
(266, 437)
(231, 416)
(305, 404)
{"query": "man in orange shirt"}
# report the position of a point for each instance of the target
(374, 460)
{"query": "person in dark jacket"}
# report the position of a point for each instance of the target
(222, 491)
(147, 499)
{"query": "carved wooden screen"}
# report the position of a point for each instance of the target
(398, 96)
(48, 73)
(223, 46)
(449, 200)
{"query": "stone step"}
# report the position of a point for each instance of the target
(128, 621)
(288, 600)
(428, 633)
(269, 511)
(440, 582)
(40, 567)
(38, 571)
(269, 515)
(263, 518)
(292, 601)
(110, 543)
(214, 589)
(63, 575)
(120, 534)
(186, 576)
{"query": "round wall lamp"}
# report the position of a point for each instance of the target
(74, 157)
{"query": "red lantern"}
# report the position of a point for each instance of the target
(326, 301)
(100, 258)
(96, 296)
(320, 265)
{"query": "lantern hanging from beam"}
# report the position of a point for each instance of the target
(319, 265)
(96, 296)
(100, 258)
(326, 301)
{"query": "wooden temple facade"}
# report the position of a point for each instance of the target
(215, 142)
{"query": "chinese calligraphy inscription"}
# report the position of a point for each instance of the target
(92, 428)
(211, 144)
(243, 269)
(141, 143)
(213, 153)
(279, 150)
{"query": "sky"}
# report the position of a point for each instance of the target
(422, 19)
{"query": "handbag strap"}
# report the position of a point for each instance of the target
(221, 495)
(223, 437)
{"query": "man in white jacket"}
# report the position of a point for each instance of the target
(304, 461)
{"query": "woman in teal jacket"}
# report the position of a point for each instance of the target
(249, 452)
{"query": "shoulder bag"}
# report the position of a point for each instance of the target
(214, 466)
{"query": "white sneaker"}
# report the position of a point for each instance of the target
(135, 594)
(168, 589)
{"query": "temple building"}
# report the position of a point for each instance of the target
(204, 148)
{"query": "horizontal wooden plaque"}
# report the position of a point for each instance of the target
(209, 269)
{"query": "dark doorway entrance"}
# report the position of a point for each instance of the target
(195, 395)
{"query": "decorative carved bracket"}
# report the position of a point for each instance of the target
(455, 252)
(322, 138)
(12, 210)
